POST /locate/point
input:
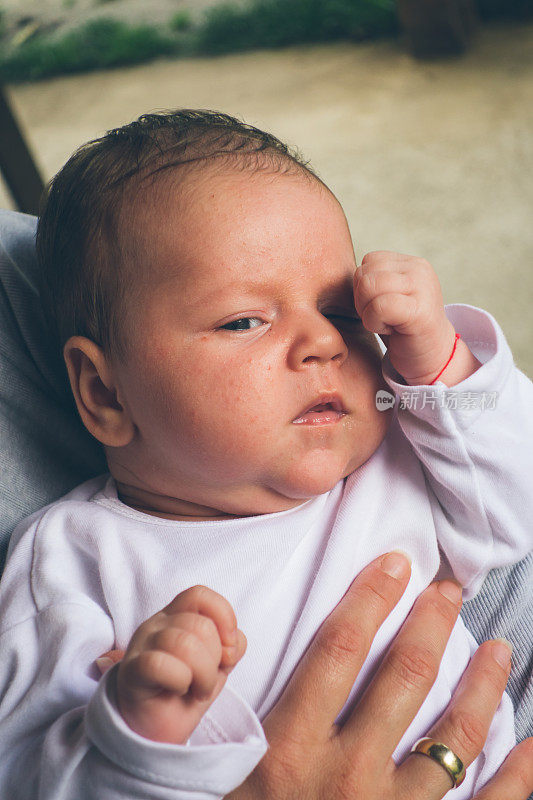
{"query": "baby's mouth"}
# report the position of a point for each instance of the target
(329, 409)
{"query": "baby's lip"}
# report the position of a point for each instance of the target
(334, 401)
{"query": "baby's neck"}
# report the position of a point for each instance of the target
(158, 505)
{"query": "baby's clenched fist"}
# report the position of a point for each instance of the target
(399, 297)
(176, 665)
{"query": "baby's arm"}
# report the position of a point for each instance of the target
(62, 736)
(477, 455)
(176, 665)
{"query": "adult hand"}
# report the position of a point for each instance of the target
(309, 757)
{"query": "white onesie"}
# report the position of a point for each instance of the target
(452, 478)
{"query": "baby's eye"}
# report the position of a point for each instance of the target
(241, 324)
(348, 317)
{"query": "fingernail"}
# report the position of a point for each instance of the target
(396, 564)
(103, 663)
(501, 652)
(452, 591)
(232, 656)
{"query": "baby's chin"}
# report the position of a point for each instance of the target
(317, 471)
(317, 474)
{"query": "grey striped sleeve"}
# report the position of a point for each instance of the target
(504, 607)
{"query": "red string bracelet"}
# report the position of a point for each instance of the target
(457, 337)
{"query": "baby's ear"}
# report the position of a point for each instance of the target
(95, 392)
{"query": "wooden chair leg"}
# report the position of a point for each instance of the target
(16, 163)
(437, 27)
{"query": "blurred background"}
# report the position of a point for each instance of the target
(417, 113)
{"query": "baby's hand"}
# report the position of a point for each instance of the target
(177, 663)
(399, 297)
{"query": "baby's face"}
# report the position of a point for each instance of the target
(246, 317)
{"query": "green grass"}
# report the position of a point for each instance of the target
(226, 28)
(277, 23)
(105, 43)
(99, 44)
(181, 21)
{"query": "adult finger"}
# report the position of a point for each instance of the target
(514, 779)
(324, 677)
(106, 660)
(465, 724)
(407, 672)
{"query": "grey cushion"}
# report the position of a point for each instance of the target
(45, 451)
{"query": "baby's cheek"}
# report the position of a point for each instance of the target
(227, 419)
(370, 423)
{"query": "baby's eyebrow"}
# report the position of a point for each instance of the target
(333, 289)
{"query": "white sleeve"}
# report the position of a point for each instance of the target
(475, 443)
(61, 736)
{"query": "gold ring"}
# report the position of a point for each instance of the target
(443, 756)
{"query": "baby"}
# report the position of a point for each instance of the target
(220, 342)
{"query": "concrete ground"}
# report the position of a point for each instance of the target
(433, 159)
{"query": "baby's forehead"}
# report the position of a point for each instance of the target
(186, 183)
(215, 216)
